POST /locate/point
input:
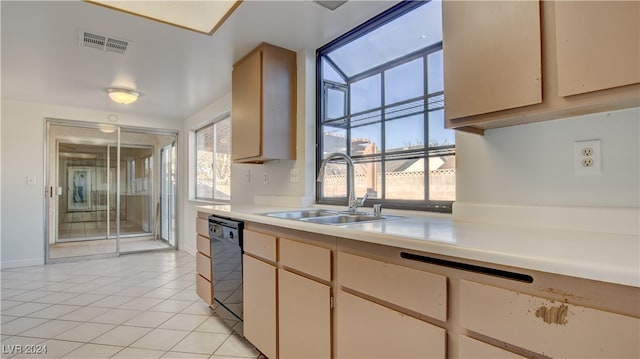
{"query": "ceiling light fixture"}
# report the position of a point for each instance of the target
(123, 96)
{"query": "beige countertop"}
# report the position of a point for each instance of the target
(613, 258)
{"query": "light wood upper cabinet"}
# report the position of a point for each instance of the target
(264, 105)
(492, 54)
(598, 45)
(516, 62)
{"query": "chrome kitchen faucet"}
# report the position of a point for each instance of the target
(354, 202)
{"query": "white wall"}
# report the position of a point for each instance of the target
(527, 165)
(22, 152)
(278, 190)
(187, 206)
(533, 166)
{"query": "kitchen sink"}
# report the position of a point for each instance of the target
(302, 214)
(344, 218)
(325, 216)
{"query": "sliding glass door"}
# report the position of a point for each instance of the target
(82, 195)
(168, 193)
(111, 190)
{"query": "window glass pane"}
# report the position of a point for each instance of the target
(368, 179)
(404, 82)
(365, 94)
(411, 32)
(222, 170)
(204, 163)
(405, 133)
(335, 101)
(329, 73)
(404, 179)
(442, 178)
(334, 139)
(365, 140)
(393, 117)
(334, 182)
(435, 81)
(438, 135)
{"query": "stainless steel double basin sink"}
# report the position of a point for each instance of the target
(325, 216)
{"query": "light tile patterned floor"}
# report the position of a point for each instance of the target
(135, 306)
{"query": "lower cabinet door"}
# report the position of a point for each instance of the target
(259, 293)
(304, 317)
(369, 330)
(555, 329)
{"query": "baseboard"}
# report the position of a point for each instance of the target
(588, 219)
(22, 263)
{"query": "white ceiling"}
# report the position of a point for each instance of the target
(178, 71)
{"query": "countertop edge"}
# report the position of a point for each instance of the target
(623, 273)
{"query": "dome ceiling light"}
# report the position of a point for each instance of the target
(123, 96)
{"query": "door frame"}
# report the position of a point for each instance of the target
(50, 191)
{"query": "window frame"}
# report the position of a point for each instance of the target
(194, 182)
(321, 108)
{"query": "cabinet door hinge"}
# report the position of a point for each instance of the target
(331, 302)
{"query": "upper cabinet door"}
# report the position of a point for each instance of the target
(246, 104)
(492, 56)
(263, 106)
(598, 45)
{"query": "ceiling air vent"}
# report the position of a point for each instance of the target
(102, 42)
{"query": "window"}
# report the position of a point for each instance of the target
(381, 101)
(213, 161)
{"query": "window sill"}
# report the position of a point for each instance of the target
(200, 202)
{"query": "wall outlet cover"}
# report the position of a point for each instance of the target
(587, 158)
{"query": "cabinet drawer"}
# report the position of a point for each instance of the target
(203, 266)
(204, 289)
(541, 325)
(203, 244)
(260, 245)
(471, 348)
(309, 259)
(202, 226)
(420, 291)
(368, 330)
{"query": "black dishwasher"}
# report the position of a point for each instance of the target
(226, 263)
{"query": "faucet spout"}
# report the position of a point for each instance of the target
(351, 188)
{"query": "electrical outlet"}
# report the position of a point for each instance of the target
(293, 175)
(265, 177)
(588, 158)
